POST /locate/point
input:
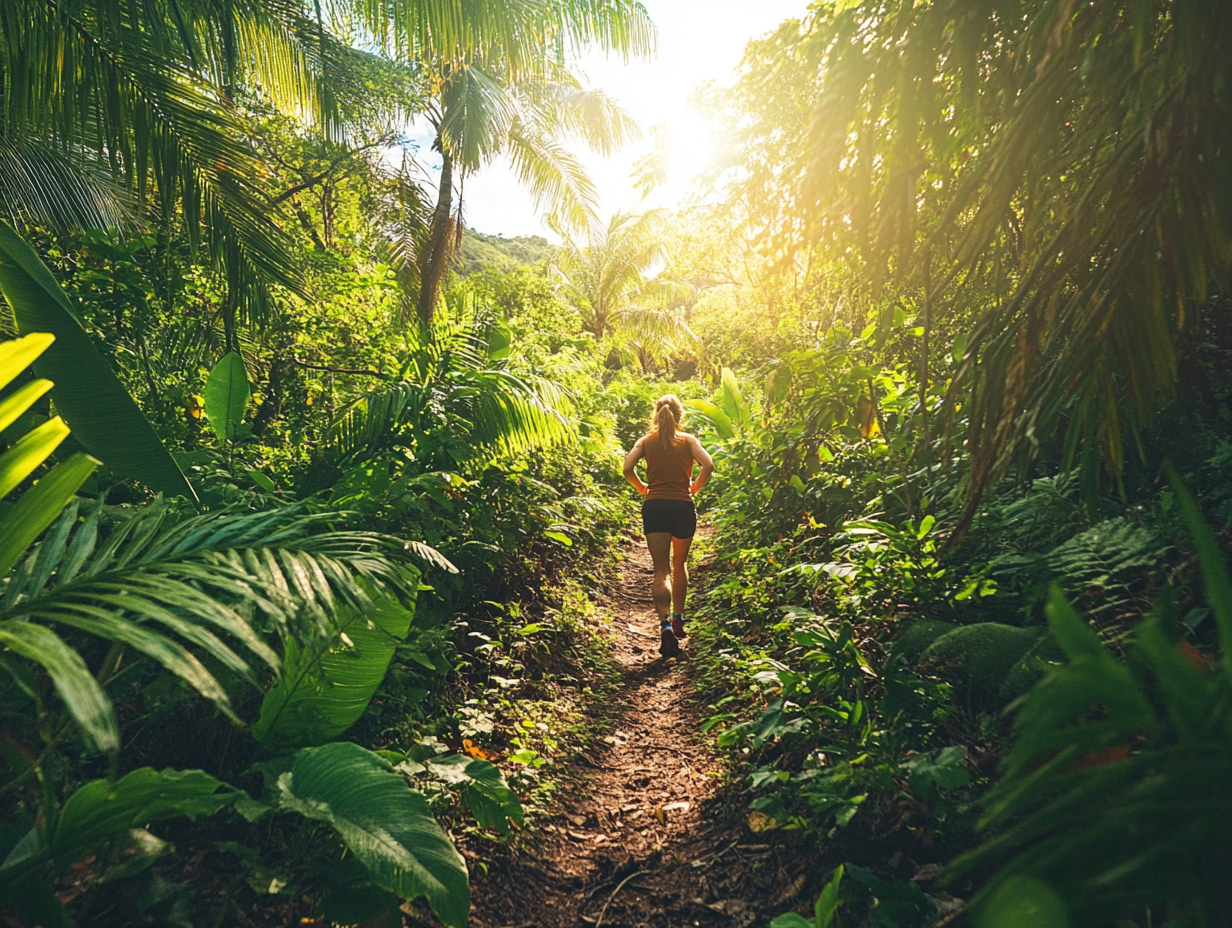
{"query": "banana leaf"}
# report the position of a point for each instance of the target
(101, 414)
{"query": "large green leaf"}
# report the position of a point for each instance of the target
(102, 808)
(718, 418)
(17, 355)
(83, 697)
(21, 399)
(39, 506)
(493, 804)
(226, 396)
(92, 400)
(324, 690)
(384, 822)
(731, 399)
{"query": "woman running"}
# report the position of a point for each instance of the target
(669, 518)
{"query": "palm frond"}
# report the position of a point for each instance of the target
(530, 37)
(39, 185)
(656, 330)
(554, 177)
(476, 112)
(565, 107)
(218, 585)
(451, 383)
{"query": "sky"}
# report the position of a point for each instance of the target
(699, 41)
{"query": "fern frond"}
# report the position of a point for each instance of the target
(222, 585)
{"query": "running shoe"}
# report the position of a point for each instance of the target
(678, 625)
(668, 645)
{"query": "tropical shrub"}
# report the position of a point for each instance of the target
(1104, 811)
(161, 586)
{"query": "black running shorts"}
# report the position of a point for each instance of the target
(677, 516)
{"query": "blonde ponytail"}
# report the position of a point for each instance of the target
(665, 423)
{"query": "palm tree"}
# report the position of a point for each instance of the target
(497, 85)
(145, 93)
(612, 279)
(480, 112)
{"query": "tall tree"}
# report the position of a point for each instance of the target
(498, 85)
(1060, 165)
(618, 278)
(478, 115)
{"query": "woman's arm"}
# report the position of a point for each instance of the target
(631, 460)
(703, 458)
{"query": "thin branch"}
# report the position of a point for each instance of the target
(301, 186)
(631, 876)
(338, 370)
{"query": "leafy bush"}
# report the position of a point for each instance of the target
(1104, 812)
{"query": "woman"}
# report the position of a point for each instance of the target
(669, 518)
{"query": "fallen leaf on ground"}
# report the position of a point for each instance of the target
(578, 820)
(792, 889)
(577, 837)
(677, 807)
(760, 821)
(728, 906)
(474, 750)
(660, 815)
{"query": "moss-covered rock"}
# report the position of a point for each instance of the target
(1030, 667)
(980, 656)
(920, 634)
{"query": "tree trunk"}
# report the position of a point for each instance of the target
(271, 406)
(231, 301)
(435, 256)
(600, 320)
(928, 325)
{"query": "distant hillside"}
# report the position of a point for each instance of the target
(480, 251)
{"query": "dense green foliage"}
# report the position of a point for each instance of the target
(305, 488)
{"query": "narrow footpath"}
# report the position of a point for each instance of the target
(643, 840)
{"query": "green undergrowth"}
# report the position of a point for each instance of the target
(870, 682)
(530, 701)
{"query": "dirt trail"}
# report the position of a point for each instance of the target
(642, 842)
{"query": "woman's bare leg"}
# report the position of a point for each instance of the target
(660, 547)
(680, 572)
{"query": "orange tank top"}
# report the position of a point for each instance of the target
(668, 474)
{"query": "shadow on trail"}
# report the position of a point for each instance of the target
(644, 839)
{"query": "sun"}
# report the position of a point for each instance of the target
(693, 147)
